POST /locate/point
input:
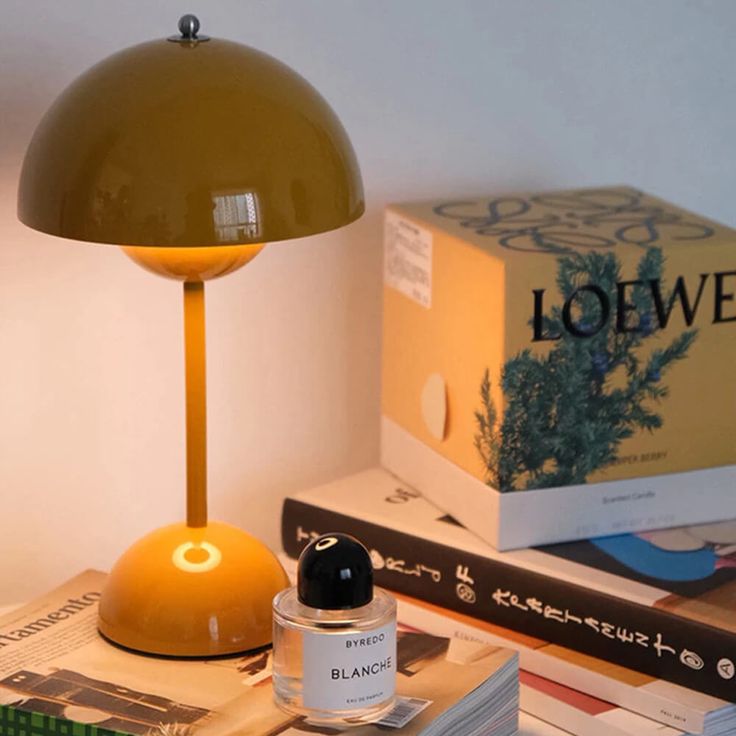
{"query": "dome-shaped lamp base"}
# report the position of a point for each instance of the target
(192, 592)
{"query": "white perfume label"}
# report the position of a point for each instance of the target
(349, 671)
(408, 259)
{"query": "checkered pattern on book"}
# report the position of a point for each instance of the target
(14, 722)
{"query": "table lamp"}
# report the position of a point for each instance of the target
(191, 153)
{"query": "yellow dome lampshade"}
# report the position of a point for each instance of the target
(191, 153)
(190, 142)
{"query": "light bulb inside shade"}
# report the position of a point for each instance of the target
(194, 263)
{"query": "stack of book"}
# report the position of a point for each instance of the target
(619, 636)
(555, 367)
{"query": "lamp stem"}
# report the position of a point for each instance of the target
(196, 403)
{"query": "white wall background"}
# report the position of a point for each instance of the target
(440, 98)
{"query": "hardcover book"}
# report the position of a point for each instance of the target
(557, 365)
(659, 603)
(58, 676)
(564, 687)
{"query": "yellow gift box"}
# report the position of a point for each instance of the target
(581, 341)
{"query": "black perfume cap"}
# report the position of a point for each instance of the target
(335, 572)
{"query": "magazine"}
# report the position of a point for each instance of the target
(56, 671)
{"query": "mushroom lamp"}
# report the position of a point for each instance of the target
(190, 153)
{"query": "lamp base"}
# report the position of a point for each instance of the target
(192, 592)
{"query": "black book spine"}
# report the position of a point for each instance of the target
(650, 640)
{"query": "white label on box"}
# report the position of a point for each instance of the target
(408, 259)
(349, 671)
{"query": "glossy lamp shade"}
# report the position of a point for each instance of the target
(196, 143)
(191, 153)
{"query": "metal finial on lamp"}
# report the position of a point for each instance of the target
(191, 156)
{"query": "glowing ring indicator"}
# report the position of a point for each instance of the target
(196, 557)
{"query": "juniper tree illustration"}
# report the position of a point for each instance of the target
(567, 412)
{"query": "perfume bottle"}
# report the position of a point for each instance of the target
(334, 639)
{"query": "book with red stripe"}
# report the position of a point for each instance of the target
(606, 598)
(581, 714)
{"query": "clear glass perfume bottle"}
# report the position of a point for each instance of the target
(334, 640)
